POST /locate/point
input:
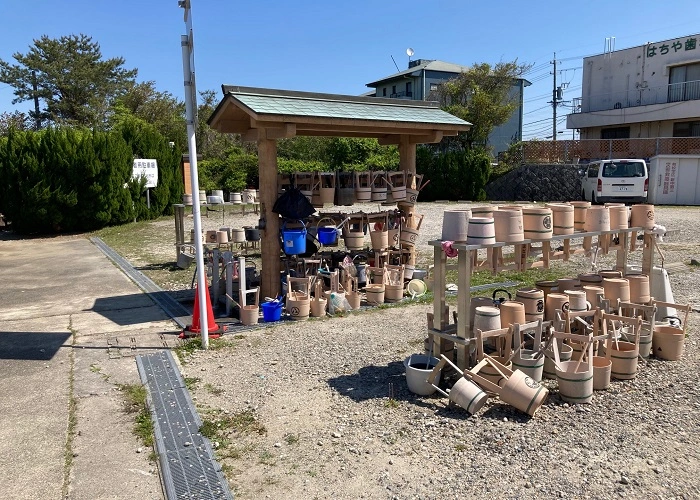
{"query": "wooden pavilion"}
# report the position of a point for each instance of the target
(265, 115)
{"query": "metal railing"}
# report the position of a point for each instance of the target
(584, 150)
(673, 92)
(402, 95)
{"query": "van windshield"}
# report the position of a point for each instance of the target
(623, 169)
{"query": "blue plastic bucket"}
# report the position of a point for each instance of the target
(272, 311)
(294, 240)
(327, 235)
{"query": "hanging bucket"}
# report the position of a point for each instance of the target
(565, 353)
(455, 224)
(418, 367)
(397, 184)
(272, 311)
(375, 294)
(508, 225)
(533, 300)
(575, 384)
(616, 289)
(526, 361)
(668, 342)
(409, 236)
(597, 219)
(512, 312)
(580, 209)
(601, 373)
(379, 186)
(643, 216)
(326, 187)
(363, 187)
(345, 188)
(562, 218)
(537, 223)
(481, 231)
(379, 239)
(624, 356)
(639, 288)
(294, 240)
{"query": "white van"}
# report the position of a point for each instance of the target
(625, 181)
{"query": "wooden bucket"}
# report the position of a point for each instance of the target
(363, 186)
(580, 209)
(298, 305)
(533, 299)
(408, 236)
(553, 302)
(326, 187)
(375, 293)
(643, 216)
(481, 231)
(601, 373)
(508, 224)
(568, 284)
(380, 239)
(319, 302)
(537, 223)
(577, 300)
(590, 279)
(211, 236)
(187, 199)
(474, 303)
(379, 186)
(222, 236)
(575, 384)
(597, 219)
(547, 286)
(484, 211)
(562, 218)
(616, 289)
(238, 235)
(512, 312)
(668, 342)
(397, 183)
(486, 318)
(624, 356)
(250, 315)
(345, 188)
(354, 234)
(592, 293)
(610, 273)
(468, 395)
(526, 361)
(639, 288)
(393, 293)
(455, 224)
(565, 354)
(619, 216)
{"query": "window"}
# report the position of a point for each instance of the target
(686, 129)
(684, 83)
(593, 171)
(623, 169)
(433, 87)
(393, 89)
(615, 133)
(384, 92)
(408, 89)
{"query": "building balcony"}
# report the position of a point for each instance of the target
(674, 92)
(402, 95)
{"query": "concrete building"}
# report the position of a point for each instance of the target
(423, 76)
(648, 91)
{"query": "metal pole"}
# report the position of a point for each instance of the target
(190, 109)
(554, 101)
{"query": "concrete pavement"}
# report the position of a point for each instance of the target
(70, 325)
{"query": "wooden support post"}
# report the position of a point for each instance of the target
(439, 261)
(270, 241)
(621, 264)
(648, 256)
(407, 163)
(464, 264)
(179, 228)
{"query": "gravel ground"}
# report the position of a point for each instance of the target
(322, 410)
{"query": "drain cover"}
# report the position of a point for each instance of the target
(186, 457)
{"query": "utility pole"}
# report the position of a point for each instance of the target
(554, 100)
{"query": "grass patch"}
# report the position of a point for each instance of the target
(218, 425)
(266, 458)
(392, 403)
(135, 404)
(189, 346)
(72, 416)
(191, 382)
(213, 389)
(291, 439)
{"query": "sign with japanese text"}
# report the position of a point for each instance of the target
(670, 177)
(656, 49)
(147, 168)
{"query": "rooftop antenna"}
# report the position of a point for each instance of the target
(409, 53)
(397, 66)
(609, 45)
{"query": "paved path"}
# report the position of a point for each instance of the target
(70, 325)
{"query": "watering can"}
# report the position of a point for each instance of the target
(497, 301)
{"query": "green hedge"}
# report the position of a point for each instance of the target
(65, 179)
(454, 175)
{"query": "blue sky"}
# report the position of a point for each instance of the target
(338, 47)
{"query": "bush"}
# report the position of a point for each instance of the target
(453, 175)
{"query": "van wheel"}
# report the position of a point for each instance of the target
(583, 195)
(594, 200)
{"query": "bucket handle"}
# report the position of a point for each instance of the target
(284, 224)
(674, 318)
(501, 300)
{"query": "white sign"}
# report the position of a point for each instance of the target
(148, 168)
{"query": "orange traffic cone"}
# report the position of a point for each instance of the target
(211, 321)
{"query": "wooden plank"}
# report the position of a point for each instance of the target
(463, 304)
(439, 260)
(270, 241)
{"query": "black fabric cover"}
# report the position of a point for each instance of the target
(292, 204)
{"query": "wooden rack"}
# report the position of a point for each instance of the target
(526, 254)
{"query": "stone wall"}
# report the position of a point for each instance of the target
(537, 183)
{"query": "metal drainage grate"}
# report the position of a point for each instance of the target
(186, 457)
(171, 306)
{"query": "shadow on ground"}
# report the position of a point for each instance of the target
(39, 346)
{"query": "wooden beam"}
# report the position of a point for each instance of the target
(432, 137)
(232, 126)
(355, 125)
(270, 241)
(286, 131)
